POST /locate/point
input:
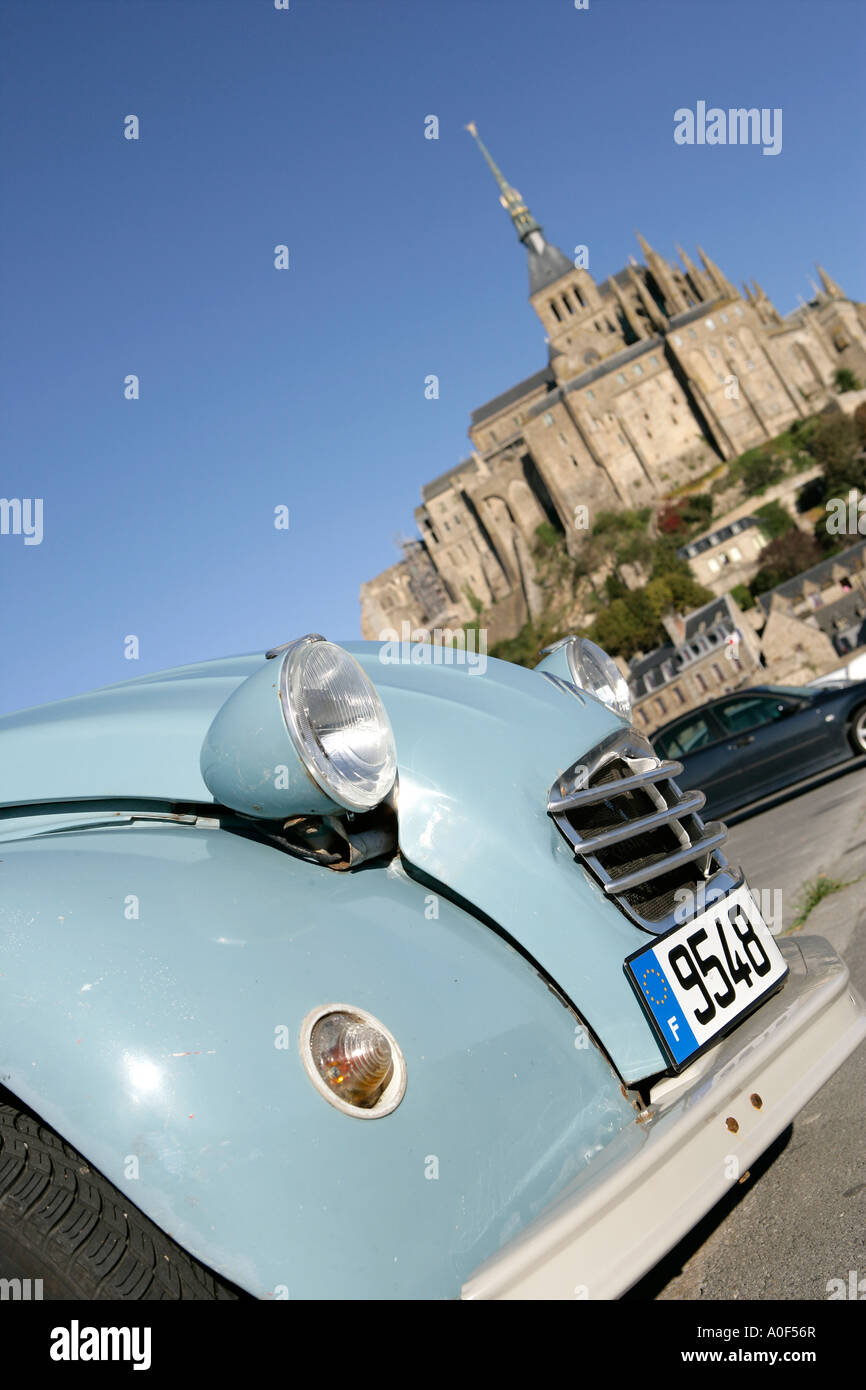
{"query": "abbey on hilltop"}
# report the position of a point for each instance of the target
(651, 377)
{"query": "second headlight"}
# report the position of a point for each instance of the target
(588, 667)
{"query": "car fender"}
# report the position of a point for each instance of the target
(155, 978)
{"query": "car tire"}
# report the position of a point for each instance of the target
(63, 1223)
(857, 731)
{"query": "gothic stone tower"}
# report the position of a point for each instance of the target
(653, 376)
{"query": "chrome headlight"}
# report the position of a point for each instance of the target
(338, 724)
(305, 734)
(591, 669)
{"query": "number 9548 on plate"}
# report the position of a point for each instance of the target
(700, 980)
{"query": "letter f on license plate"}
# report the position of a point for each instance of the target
(699, 980)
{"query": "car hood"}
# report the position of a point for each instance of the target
(477, 753)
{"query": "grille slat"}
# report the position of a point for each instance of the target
(694, 852)
(588, 796)
(638, 834)
(693, 802)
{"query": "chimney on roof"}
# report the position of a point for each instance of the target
(675, 626)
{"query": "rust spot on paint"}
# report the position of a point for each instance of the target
(756, 1100)
(732, 1124)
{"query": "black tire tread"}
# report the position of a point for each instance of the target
(64, 1215)
(855, 715)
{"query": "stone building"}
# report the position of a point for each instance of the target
(794, 635)
(651, 373)
(712, 651)
(830, 598)
(727, 556)
(794, 650)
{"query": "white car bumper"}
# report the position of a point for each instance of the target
(658, 1178)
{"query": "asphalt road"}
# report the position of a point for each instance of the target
(800, 1219)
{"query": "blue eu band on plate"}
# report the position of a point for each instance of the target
(698, 980)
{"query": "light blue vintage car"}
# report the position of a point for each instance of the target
(358, 971)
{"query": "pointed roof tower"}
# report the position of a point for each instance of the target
(721, 282)
(833, 290)
(698, 279)
(546, 263)
(675, 303)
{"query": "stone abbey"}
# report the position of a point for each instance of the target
(652, 377)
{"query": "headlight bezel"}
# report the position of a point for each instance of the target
(582, 656)
(591, 670)
(317, 763)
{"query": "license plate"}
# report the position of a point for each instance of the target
(700, 980)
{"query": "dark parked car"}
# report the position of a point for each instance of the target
(756, 741)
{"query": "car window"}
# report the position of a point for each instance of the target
(691, 733)
(738, 716)
(799, 692)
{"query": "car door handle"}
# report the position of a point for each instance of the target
(741, 742)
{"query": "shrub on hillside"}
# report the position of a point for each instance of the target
(742, 595)
(759, 471)
(784, 558)
(845, 380)
(775, 519)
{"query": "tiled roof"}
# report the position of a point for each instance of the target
(819, 574)
(610, 364)
(651, 661)
(443, 482)
(622, 278)
(689, 315)
(545, 266)
(688, 552)
(545, 377)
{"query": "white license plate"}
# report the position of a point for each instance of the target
(699, 980)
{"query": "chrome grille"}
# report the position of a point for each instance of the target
(638, 834)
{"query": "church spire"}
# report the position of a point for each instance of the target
(524, 223)
(547, 264)
(831, 289)
(675, 302)
(698, 279)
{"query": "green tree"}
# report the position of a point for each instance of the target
(835, 440)
(775, 519)
(627, 626)
(784, 558)
(760, 472)
(743, 596)
(836, 446)
(523, 649)
(845, 380)
(615, 588)
(686, 592)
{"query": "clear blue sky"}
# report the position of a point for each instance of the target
(306, 387)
